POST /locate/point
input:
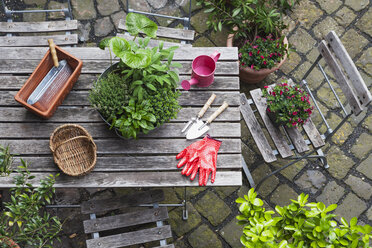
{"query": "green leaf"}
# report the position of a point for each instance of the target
(104, 43)
(119, 46)
(151, 87)
(344, 222)
(331, 208)
(283, 244)
(236, 12)
(174, 76)
(137, 23)
(220, 26)
(257, 202)
(353, 221)
(140, 59)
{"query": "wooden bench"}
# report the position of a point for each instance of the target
(353, 87)
(184, 36)
(130, 228)
(23, 29)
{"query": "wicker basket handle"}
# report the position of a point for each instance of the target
(75, 138)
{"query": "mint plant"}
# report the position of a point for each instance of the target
(146, 73)
(299, 224)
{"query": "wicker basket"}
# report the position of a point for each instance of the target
(73, 149)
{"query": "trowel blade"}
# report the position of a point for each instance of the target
(194, 131)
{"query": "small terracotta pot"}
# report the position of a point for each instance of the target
(248, 75)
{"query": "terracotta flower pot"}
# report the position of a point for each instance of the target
(248, 75)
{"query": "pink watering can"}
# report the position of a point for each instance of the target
(203, 68)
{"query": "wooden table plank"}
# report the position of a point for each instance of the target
(116, 146)
(41, 40)
(187, 98)
(94, 53)
(129, 163)
(101, 130)
(73, 114)
(86, 81)
(277, 137)
(98, 66)
(130, 179)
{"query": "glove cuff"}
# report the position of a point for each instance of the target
(212, 141)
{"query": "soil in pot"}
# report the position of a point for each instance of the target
(251, 76)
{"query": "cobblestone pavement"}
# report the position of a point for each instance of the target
(212, 210)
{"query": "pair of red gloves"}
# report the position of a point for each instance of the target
(200, 156)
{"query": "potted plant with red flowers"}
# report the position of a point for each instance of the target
(253, 23)
(287, 105)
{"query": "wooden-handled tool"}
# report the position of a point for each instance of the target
(198, 130)
(196, 121)
(53, 52)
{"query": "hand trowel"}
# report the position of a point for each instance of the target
(198, 129)
(53, 81)
(197, 120)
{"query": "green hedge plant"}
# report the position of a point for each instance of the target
(24, 218)
(298, 225)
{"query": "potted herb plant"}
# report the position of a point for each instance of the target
(255, 27)
(24, 220)
(287, 104)
(299, 224)
(138, 93)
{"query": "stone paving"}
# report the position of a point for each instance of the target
(212, 210)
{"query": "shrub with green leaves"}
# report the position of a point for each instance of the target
(165, 105)
(148, 73)
(24, 219)
(299, 224)
(109, 95)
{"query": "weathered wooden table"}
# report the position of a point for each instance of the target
(147, 162)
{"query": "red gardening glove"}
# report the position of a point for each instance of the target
(207, 159)
(190, 158)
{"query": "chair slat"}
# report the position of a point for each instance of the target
(146, 197)
(277, 137)
(35, 27)
(255, 129)
(125, 220)
(131, 238)
(42, 40)
(355, 78)
(171, 33)
(154, 43)
(165, 246)
(313, 134)
(340, 78)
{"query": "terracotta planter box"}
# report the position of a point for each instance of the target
(248, 75)
(37, 76)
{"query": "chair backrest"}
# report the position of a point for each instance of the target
(346, 76)
(29, 34)
(181, 35)
(129, 228)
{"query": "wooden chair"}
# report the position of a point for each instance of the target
(17, 33)
(353, 87)
(183, 36)
(129, 228)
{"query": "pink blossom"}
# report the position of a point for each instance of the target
(302, 98)
(264, 62)
(294, 123)
(258, 52)
(243, 63)
(252, 66)
(262, 57)
(240, 55)
(294, 113)
(268, 109)
(257, 37)
(255, 47)
(281, 92)
(266, 87)
(271, 55)
(250, 53)
(285, 84)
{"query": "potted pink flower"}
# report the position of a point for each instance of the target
(287, 105)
